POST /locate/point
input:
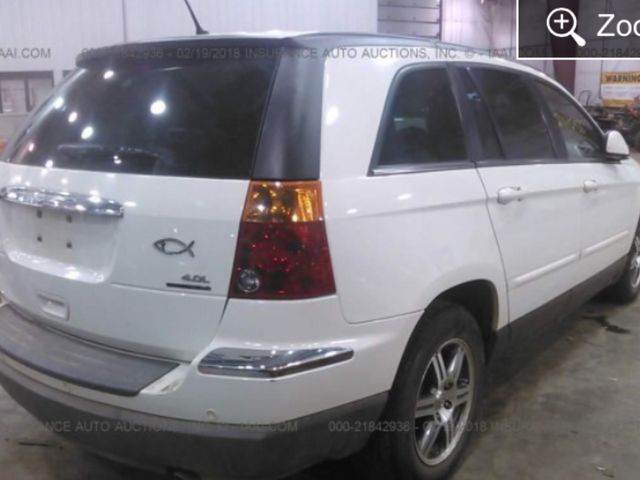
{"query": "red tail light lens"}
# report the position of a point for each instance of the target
(282, 250)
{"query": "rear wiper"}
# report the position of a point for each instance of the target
(83, 150)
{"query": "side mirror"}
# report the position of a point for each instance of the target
(616, 146)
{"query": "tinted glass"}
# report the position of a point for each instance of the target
(192, 120)
(424, 125)
(582, 138)
(486, 131)
(517, 115)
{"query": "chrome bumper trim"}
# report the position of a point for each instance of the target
(237, 362)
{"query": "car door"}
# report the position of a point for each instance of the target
(534, 198)
(608, 203)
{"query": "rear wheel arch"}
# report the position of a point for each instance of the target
(480, 298)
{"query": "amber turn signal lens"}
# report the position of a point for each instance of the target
(283, 202)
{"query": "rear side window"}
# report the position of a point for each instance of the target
(424, 124)
(516, 113)
(189, 120)
(581, 137)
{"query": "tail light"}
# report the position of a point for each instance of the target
(282, 250)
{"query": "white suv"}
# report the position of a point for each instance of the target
(239, 256)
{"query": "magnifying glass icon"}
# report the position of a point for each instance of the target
(563, 23)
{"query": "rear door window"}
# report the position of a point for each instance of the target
(516, 113)
(188, 120)
(581, 137)
(423, 125)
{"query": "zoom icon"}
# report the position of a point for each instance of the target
(563, 23)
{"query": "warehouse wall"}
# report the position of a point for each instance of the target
(170, 17)
(48, 34)
(65, 27)
(467, 22)
(486, 24)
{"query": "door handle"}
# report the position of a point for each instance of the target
(67, 202)
(507, 195)
(590, 186)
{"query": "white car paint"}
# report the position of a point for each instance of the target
(111, 286)
(539, 236)
(387, 234)
(607, 229)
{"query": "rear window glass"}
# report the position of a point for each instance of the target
(424, 125)
(192, 120)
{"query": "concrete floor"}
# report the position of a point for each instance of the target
(565, 408)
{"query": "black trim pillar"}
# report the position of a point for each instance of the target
(565, 70)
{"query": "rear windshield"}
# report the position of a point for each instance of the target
(194, 120)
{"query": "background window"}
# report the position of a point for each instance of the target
(517, 115)
(38, 89)
(14, 96)
(582, 138)
(21, 92)
(424, 125)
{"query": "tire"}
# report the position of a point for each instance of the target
(627, 288)
(446, 329)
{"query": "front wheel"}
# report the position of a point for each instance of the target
(627, 288)
(436, 396)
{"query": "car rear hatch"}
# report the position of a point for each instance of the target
(122, 197)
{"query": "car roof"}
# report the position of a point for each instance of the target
(305, 40)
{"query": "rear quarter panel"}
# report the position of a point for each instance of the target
(396, 241)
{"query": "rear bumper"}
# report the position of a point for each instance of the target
(228, 451)
(99, 398)
(75, 361)
(342, 364)
(210, 415)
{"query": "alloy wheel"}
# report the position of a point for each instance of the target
(444, 402)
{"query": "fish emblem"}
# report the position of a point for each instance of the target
(173, 246)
